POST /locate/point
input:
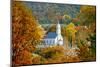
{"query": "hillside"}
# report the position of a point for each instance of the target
(46, 13)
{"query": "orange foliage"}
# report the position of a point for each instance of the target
(85, 53)
(36, 60)
(22, 58)
(26, 33)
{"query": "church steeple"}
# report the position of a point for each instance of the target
(58, 29)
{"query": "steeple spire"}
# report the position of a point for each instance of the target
(58, 29)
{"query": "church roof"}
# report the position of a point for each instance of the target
(51, 35)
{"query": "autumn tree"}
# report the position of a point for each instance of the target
(87, 15)
(66, 16)
(87, 18)
(26, 33)
(53, 54)
(52, 28)
(70, 34)
(85, 52)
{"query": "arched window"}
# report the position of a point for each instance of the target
(49, 41)
(53, 41)
(46, 41)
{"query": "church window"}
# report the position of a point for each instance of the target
(53, 41)
(47, 41)
(50, 41)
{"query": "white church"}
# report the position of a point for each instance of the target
(54, 38)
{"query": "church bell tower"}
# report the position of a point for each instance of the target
(58, 29)
(59, 36)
